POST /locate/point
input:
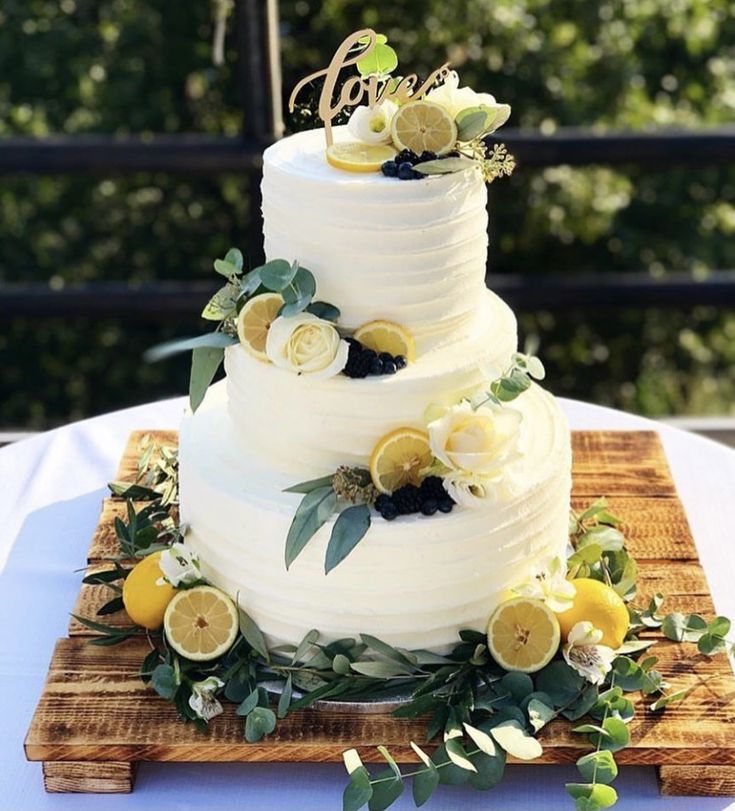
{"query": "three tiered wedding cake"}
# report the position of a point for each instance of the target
(412, 256)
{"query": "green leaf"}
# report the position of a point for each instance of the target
(424, 784)
(358, 791)
(312, 484)
(608, 538)
(519, 685)
(617, 735)
(234, 257)
(457, 754)
(249, 283)
(445, 166)
(598, 767)
(489, 770)
(516, 741)
(629, 675)
(225, 268)
(104, 578)
(380, 669)
(538, 714)
(284, 701)
(472, 122)
(261, 721)
(164, 681)
(449, 773)
(204, 364)
(603, 796)
(481, 739)
(381, 60)
(719, 626)
(299, 293)
(114, 605)
(169, 348)
(348, 530)
(249, 703)
(277, 274)
(582, 705)
(310, 637)
(683, 627)
(223, 303)
(509, 387)
(315, 509)
(560, 683)
(387, 792)
(252, 633)
(710, 644)
(671, 698)
(388, 651)
(321, 309)
(341, 664)
(390, 761)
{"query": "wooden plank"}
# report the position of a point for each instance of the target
(85, 777)
(697, 781)
(620, 463)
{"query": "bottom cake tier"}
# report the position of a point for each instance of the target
(414, 582)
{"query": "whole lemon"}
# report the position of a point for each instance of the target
(597, 603)
(144, 599)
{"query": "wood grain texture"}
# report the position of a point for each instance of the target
(697, 781)
(95, 711)
(82, 777)
(128, 467)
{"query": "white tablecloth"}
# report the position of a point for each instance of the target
(50, 492)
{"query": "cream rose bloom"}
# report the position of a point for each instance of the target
(371, 125)
(454, 99)
(477, 447)
(306, 344)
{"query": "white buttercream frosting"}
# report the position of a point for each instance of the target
(414, 581)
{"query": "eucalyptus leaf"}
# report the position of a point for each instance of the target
(380, 669)
(312, 484)
(253, 635)
(516, 741)
(234, 257)
(617, 735)
(223, 303)
(341, 664)
(539, 714)
(489, 769)
(321, 309)
(560, 682)
(277, 274)
(473, 122)
(683, 627)
(164, 681)
(260, 722)
(449, 773)
(603, 796)
(250, 282)
(445, 166)
(349, 529)
(457, 754)
(708, 644)
(249, 704)
(389, 759)
(299, 292)
(481, 739)
(284, 700)
(385, 792)
(358, 791)
(380, 61)
(225, 268)
(169, 348)
(519, 685)
(305, 645)
(383, 648)
(599, 767)
(424, 784)
(313, 512)
(670, 698)
(205, 361)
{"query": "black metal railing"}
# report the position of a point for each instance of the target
(259, 82)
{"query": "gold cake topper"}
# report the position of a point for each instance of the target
(355, 48)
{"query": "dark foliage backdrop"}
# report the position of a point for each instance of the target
(123, 66)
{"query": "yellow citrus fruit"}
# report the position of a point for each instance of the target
(254, 322)
(354, 156)
(399, 458)
(385, 336)
(523, 634)
(597, 603)
(144, 599)
(201, 623)
(423, 125)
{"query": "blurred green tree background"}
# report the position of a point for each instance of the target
(144, 66)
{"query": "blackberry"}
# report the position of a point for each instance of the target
(389, 169)
(389, 511)
(406, 171)
(429, 506)
(386, 357)
(389, 367)
(400, 361)
(359, 360)
(407, 499)
(376, 366)
(427, 155)
(406, 156)
(446, 505)
(382, 501)
(432, 487)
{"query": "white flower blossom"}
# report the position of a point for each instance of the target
(477, 448)
(179, 565)
(307, 344)
(549, 583)
(583, 653)
(454, 99)
(202, 699)
(371, 125)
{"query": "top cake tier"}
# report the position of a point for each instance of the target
(413, 252)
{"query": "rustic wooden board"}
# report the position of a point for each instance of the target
(96, 719)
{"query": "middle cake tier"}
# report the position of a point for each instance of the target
(307, 427)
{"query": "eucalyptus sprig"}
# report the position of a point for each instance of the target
(516, 379)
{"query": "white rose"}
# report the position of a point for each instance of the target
(454, 99)
(371, 125)
(306, 344)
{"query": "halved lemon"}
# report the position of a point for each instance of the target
(523, 634)
(399, 458)
(201, 623)
(423, 125)
(254, 322)
(353, 156)
(385, 336)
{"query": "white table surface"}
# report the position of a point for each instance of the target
(50, 492)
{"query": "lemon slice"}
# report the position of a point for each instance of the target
(254, 322)
(201, 623)
(385, 336)
(354, 156)
(523, 634)
(597, 603)
(423, 125)
(144, 599)
(399, 459)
